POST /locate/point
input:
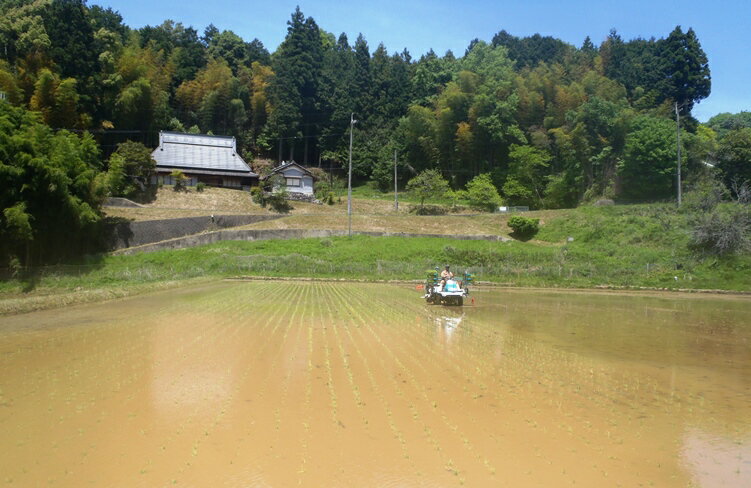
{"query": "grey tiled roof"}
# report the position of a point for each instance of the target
(199, 152)
(286, 165)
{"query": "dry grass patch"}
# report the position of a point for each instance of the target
(210, 199)
(156, 213)
(445, 225)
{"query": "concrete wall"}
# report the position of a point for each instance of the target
(129, 234)
(120, 202)
(265, 234)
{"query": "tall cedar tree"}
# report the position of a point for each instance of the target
(686, 76)
(294, 90)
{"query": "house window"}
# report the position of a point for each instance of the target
(294, 182)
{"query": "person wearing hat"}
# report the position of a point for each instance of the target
(446, 274)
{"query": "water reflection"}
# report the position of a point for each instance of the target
(717, 462)
(447, 326)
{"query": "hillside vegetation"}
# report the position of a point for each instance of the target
(526, 121)
(623, 247)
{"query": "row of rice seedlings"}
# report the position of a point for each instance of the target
(275, 325)
(377, 309)
(239, 310)
(437, 356)
(339, 302)
(110, 345)
(293, 323)
(474, 359)
(343, 356)
(277, 322)
(278, 343)
(204, 341)
(305, 436)
(83, 378)
(303, 324)
(208, 336)
(415, 414)
(556, 371)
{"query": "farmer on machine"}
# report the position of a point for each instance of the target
(446, 274)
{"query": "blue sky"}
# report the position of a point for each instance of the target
(723, 26)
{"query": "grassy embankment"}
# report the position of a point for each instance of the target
(623, 246)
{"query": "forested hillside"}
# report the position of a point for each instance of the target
(552, 124)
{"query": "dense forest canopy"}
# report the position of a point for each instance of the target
(550, 124)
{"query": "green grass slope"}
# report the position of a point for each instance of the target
(623, 246)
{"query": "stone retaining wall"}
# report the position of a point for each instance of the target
(129, 234)
(265, 234)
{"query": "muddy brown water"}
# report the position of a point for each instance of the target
(261, 384)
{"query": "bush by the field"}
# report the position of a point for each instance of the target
(524, 228)
(428, 210)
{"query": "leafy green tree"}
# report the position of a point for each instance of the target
(648, 167)
(725, 122)
(528, 52)
(482, 193)
(116, 180)
(256, 53)
(49, 206)
(111, 20)
(228, 46)
(734, 157)
(417, 129)
(137, 165)
(22, 30)
(428, 184)
(180, 44)
(525, 184)
(9, 85)
(430, 73)
(362, 82)
(142, 80)
(72, 45)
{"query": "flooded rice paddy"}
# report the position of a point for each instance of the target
(257, 384)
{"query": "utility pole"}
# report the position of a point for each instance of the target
(352, 123)
(396, 190)
(678, 147)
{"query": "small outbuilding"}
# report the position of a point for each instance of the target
(299, 181)
(212, 160)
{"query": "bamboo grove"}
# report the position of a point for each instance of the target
(551, 124)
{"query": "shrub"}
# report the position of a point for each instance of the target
(524, 228)
(179, 179)
(200, 187)
(705, 195)
(428, 184)
(324, 191)
(428, 210)
(482, 193)
(256, 194)
(276, 200)
(327, 198)
(721, 233)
